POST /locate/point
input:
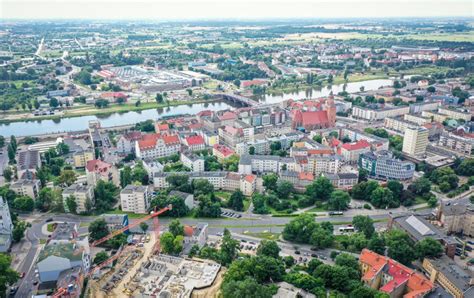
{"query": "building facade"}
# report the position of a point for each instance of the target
(135, 198)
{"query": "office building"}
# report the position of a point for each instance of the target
(415, 141)
(382, 165)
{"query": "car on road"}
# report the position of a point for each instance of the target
(35, 282)
(49, 219)
(297, 252)
(314, 255)
(22, 274)
(13, 290)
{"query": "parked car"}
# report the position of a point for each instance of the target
(297, 252)
(49, 219)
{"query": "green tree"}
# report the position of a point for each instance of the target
(320, 189)
(284, 189)
(13, 142)
(144, 227)
(11, 154)
(24, 203)
(179, 207)
(98, 229)
(376, 244)
(396, 187)
(19, 231)
(236, 201)
(364, 224)
(159, 98)
(251, 150)
(420, 186)
(268, 248)
(125, 176)
(176, 228)
(8, 174)
(339, 200)
(67, 177)
(400, 246)
(101, 257)
(229, 248)
(8, 276)
(105, 196)
(270, 181)
(318, 139)
(194, 251)
(246, 288)
(53, 102)
(178, 243)
(429, 248)
(383, 198)
(167, 243)
(465, 168)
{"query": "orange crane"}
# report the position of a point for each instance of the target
(63, 292)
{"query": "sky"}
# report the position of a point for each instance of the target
(231, 9)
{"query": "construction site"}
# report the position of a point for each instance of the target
(139, 270)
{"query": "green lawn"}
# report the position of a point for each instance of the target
(50, 227)
(265, 235)
(225, 196)
(419, 200)
(130, 215)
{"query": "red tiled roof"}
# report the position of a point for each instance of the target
(250, 178)
(113, 95)
(228, 116)
(195, 140)
(306, 176)
(224, 150)
(204, 113)
(188, 230)
(173, 139)
(163, 127)
(253, 82)
(314, 118)
(361, 144)
(98, 166)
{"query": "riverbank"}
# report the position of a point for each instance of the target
(115, 108)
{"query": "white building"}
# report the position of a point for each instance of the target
(456, 143)
(192, 161)
(82, 194)
(379, 114)
(155, 146)
(28, 188)
(6, 226)
(135, 198)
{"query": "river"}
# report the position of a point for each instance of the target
(38, 127)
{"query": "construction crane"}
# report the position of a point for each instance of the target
(63, 292)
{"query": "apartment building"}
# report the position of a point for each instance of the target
(192, 161)
(259, 147)
(447, 273)
(211, 138)
(415, 141)
(127, 142)
(324, 164)
(194, 143)
(222, 152)
(80, 158)
(434, 116)
(342, 180)
(6, 226)
(351, 151)
(82, 194)
(231, 136)
(382, 165)
(376, 143)
(25, 187)
(457, 216)
(230, 181)
(379, 114)
(135, 198)
(418, 119)
(456, 114)
(459, 144)
(390, 277)
(264, 164)
(155, 145)
(97, 169)
(424, 106)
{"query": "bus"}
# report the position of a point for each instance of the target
(348, 229)
(335, 213)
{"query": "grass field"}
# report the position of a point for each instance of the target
(130, 215)
(264, 235)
